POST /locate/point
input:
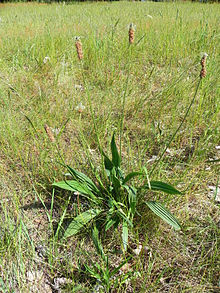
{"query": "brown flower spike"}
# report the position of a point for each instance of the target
(131, 33)
(79, 48)
(49, 133)
(203, 63)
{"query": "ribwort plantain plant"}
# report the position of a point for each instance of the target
(114, 202)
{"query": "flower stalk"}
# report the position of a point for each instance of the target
(202, 75)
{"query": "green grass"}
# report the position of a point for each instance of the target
(140, 92)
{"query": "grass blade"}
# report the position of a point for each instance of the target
(116, 159)
(118, 268)
(131, 175)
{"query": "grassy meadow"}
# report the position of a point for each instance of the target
(142, 92)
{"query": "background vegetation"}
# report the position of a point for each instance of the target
(71, 1)
(141, 91)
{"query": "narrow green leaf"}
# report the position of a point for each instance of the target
(80, 221)
(164, 214)
(118, 268)
(83, 179)
(161, 186)
(74, 185)
(122, 215)
(93, 273)
(125, 234)
(116, 182)
(107, 162)
(97, 243)
(120, 174)
(71, 185)
(109, 224)
(116, 159)
(131, 175)
(132, 199)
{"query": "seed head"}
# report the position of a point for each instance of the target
(49, 133)
(131, 33)
(203, 63)
(79, 48)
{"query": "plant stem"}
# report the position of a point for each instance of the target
(184, 118)
(124, 99)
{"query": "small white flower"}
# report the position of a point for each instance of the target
(152, 159)
(79, 87)
(56, 131)
(46, 59)
(64, 64)
(151, 17)
(137, 251)
(80, 107)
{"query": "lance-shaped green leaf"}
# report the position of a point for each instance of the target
(163, 213)
(74, 185)
(109, 224)
(116, 159)
(80, 221)
(125, 234)
(131, 175)
(83, 179)
(107, 162)
(97, 243)
(161, 186)
(132, 197)
(116, 182)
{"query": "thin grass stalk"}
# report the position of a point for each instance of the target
(202, 75)
(125, 94)
(91, 111)
(94, 124)
(85, 144)
(123, 109)
(175, 133)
